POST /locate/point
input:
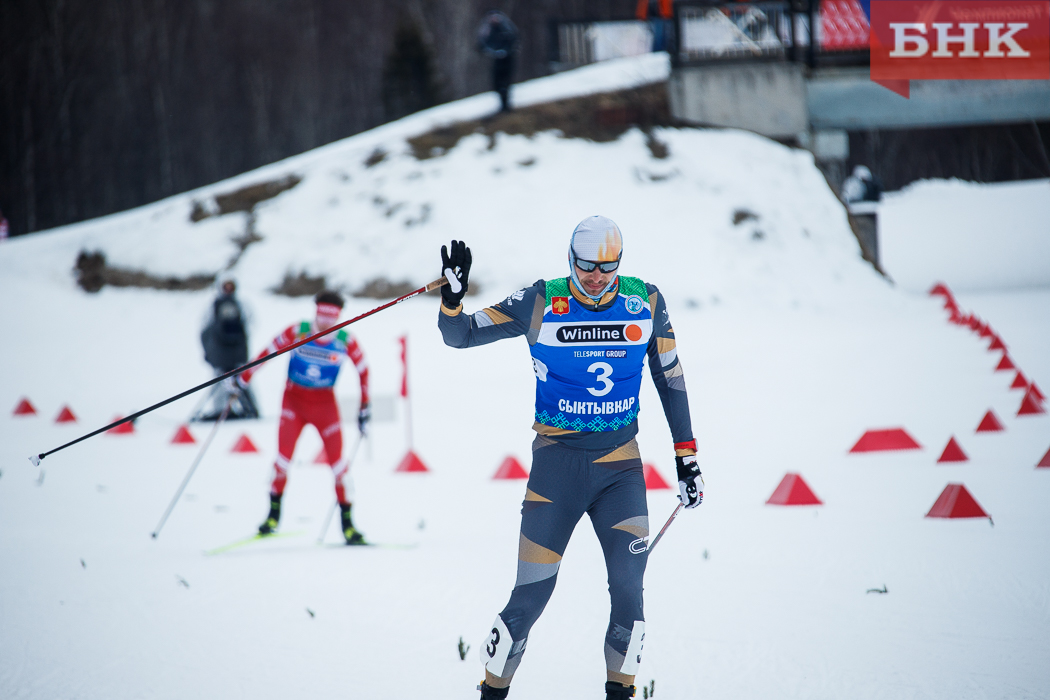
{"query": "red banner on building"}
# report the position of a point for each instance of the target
(959, 40)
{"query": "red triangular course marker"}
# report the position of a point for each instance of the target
(24, 408)
(793, 491)
(411, 463)
(940, 289)
(1004, 364)
(985, 331)
(511, 469)
(1030, 406)
(990, 424)
(997, 344)
(953, 453)
(956, 502)
(244, 445)
(1045, 461)
(1019, 381)
(122, 429)
(1035, 391)
(882, 440)
(183, 436)
(653, 480)
(65, 416)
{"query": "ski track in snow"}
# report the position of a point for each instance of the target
(792, 348)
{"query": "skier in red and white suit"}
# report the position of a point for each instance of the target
(309, 397)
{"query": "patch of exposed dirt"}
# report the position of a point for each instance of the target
(382, 288)
(603, 117)
(742, 215)
(301, 285)
(243, 199)
(93, 273)
(657, 148)
(375, 157)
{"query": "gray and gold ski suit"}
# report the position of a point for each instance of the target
(585, 457)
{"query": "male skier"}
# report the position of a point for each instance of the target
(589, 335)
(309, 397)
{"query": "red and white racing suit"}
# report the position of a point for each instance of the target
(309, 397)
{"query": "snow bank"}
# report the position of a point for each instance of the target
(972, 236)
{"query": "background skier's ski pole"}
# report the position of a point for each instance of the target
(35, 459)
(193, 467)
(331, 511)
(660, 534)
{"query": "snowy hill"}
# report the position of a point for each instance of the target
(792, 346)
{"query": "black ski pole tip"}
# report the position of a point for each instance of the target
(35, 459)
(154, 535)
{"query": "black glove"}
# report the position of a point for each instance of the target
(363, 416)
(455, 267)
(690, 483)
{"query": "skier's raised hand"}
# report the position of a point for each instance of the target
(690, 482)
(455, 267)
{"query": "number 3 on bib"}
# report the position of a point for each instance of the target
(604, 370)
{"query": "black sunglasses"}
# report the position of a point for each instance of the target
(588, 266)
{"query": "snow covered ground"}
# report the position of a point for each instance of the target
(983, 237)
(792, 346)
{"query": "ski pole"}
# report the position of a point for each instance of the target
(193, 467)
(35, 459)
(664, 528)
(331, 511)
(200, 404)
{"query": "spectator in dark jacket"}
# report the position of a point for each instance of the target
(659, 14)
(498, 38)
(225, 341)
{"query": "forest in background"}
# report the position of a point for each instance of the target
(110, 104)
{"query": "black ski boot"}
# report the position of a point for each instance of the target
(350, 533)
(270, 525)
(618, 691)
(490, 693)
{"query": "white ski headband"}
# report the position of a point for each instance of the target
(328, 312)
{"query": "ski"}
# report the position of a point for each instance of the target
(249, 540)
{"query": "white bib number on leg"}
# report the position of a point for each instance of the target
(496, 649)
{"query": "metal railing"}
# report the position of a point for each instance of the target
(778, 30)
(737, 30)
(580, 43)
(706, 31)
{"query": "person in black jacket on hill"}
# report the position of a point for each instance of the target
(498, 38)
(225, 341)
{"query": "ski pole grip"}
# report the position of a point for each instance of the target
(436, 284)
